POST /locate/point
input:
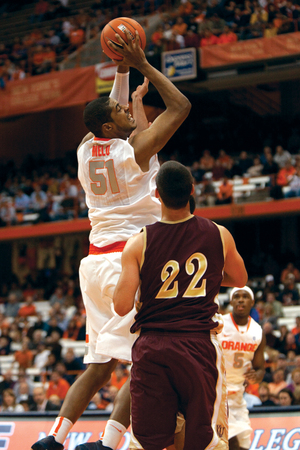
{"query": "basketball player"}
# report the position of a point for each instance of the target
(117, 175)
(179, 264)
(243, 345)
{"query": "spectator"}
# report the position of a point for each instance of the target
(291, 344)
(40, 10)
(72, 329)
(256, 169)
(180, 26)
(290, 268)
(24, 395)
(295, 376)
(73, 364)
(57, 297)
(9, 403)
(264, 395)
(269, 316)
(22, 202)
(8, 382)
(270, 286)
(209, 39)
(285, 397)
(282, 156)
(13, 306)
(24, 356)
(290, 294)
(119, 376)
(244, 163)
(4, 345)
(277, 306)
(39, 203)
(281, 340)
(225, 193)
(28, 309)
(296, 329)
(270, 166)
(57, 386)
(277, 384)
(227, 35)
(270, 336)
(52, 341)
(40, 402)
(41, 357)
(286, 174)
(207, 161)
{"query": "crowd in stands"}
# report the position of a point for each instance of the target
(282, 170)
(43, 191)
(196, 23)
(40, 191)
(203, 23)
(44, 364)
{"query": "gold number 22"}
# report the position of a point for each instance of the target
(168, 277)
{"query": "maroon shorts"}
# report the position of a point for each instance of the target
(176, 372)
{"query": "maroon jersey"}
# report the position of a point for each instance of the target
(181, 276)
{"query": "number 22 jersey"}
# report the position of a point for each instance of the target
(119, 195)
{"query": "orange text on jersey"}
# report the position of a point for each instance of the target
(240, 346)
(100, 150)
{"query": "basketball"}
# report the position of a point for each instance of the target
(119, 26)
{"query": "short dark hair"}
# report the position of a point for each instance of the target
(174, 184)
(96, 113)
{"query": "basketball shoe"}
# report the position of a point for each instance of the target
(48, 443)
(92, 446)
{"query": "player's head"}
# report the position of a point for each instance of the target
(105, 117)
(174, 185)
(242, 300)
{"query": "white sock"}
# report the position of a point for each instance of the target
(113, 433)
(60, 429)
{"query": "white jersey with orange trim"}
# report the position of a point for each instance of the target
(239, 344)
(119, 195)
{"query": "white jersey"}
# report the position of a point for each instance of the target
(119, 195)
(239, 344)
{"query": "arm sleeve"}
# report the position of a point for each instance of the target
(120, 89)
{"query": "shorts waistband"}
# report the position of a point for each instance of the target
(205, 333)
(111, 248)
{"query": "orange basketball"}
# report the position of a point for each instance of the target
(118, 26)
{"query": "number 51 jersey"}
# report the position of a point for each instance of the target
(119, 195)
(239, 345)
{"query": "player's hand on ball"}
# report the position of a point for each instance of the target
(132, 53)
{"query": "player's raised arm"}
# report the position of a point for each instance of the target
(129, 280)
(235, 273)
(150, 141)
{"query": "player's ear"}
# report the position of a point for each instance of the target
(193, 189)
(106, 127)
(157, 194)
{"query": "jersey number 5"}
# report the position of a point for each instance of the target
(99, 187)
(169, 276)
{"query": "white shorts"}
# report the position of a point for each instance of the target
(238, 419)
(107, 334)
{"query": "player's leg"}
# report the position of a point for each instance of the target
(234, 443)
(239, 426)
(203, 403)
(76, 401)
(154, 403)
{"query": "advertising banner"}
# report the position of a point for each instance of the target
(250, 50)
(179, 64)
(50, 91)
(269, 433)
(105, 75)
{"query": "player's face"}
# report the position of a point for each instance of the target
(122, 119)
(241, 303)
